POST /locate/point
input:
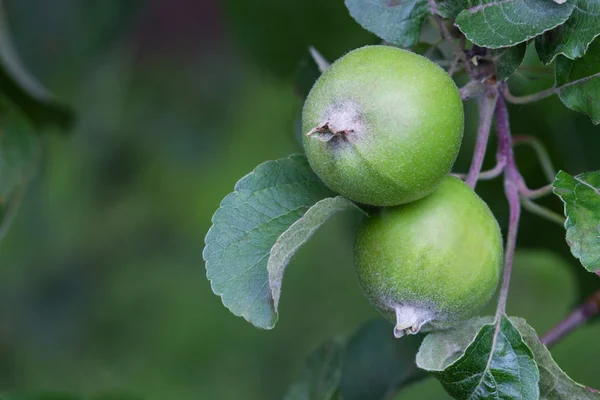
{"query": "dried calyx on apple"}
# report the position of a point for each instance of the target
(433, 263)
(383, 126)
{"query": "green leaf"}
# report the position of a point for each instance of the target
(296, 235)
(572, 38)
(20, 155)
(584, 95)
(372, 365)
(376, 364)
(451, 8)
(554, 383)
(321, 375)
(581, 196)
(496, 364)
(494, 24)
(23, 90)
(395, 21)
(508, 59)
(248, 223)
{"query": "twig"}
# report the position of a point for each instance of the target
(583, 313)
(494, 172)
(544, 93)
(542, 211)
(541, 152)
(454, 66)
(445, 33)
(472, 89)
(318, 58)
(511, 188)
(487, 175)
(486, 113)
(534, 193)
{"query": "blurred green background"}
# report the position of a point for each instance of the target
(102, 285)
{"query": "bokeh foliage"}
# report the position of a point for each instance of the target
(102, 283)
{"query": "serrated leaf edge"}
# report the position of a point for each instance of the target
(210, 232)
(567, 217)
(562, 53)
(276, 279)
(508, 45)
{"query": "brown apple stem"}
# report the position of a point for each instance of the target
(511, 189)
(486, 114)
(590, 308)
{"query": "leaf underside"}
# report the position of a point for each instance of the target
(581, 197)
(264, 204)
(395, 21)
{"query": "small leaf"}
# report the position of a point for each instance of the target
(372, 365)
(496, 364)
(376, 364)
(505, 23)
(581, 196)
(23, 90)
(508, 60)
(583, 96)
(395, 21)
(296, 235)
(321, 375)
(248, 223)
(572, 38)
(19, 160)
(554, 383)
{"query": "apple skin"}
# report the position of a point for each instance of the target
(432, 263)
(383, 126)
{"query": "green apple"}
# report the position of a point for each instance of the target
(432, 263)
(383, 126)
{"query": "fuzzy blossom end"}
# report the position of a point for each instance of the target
(409, 320)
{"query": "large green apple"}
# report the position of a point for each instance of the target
(432, 263)
(383, 126)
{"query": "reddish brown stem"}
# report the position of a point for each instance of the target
(486, 114)
(511, 189)
(579, 316)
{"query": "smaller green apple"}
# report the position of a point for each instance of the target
(432, 263)
(383, 126)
